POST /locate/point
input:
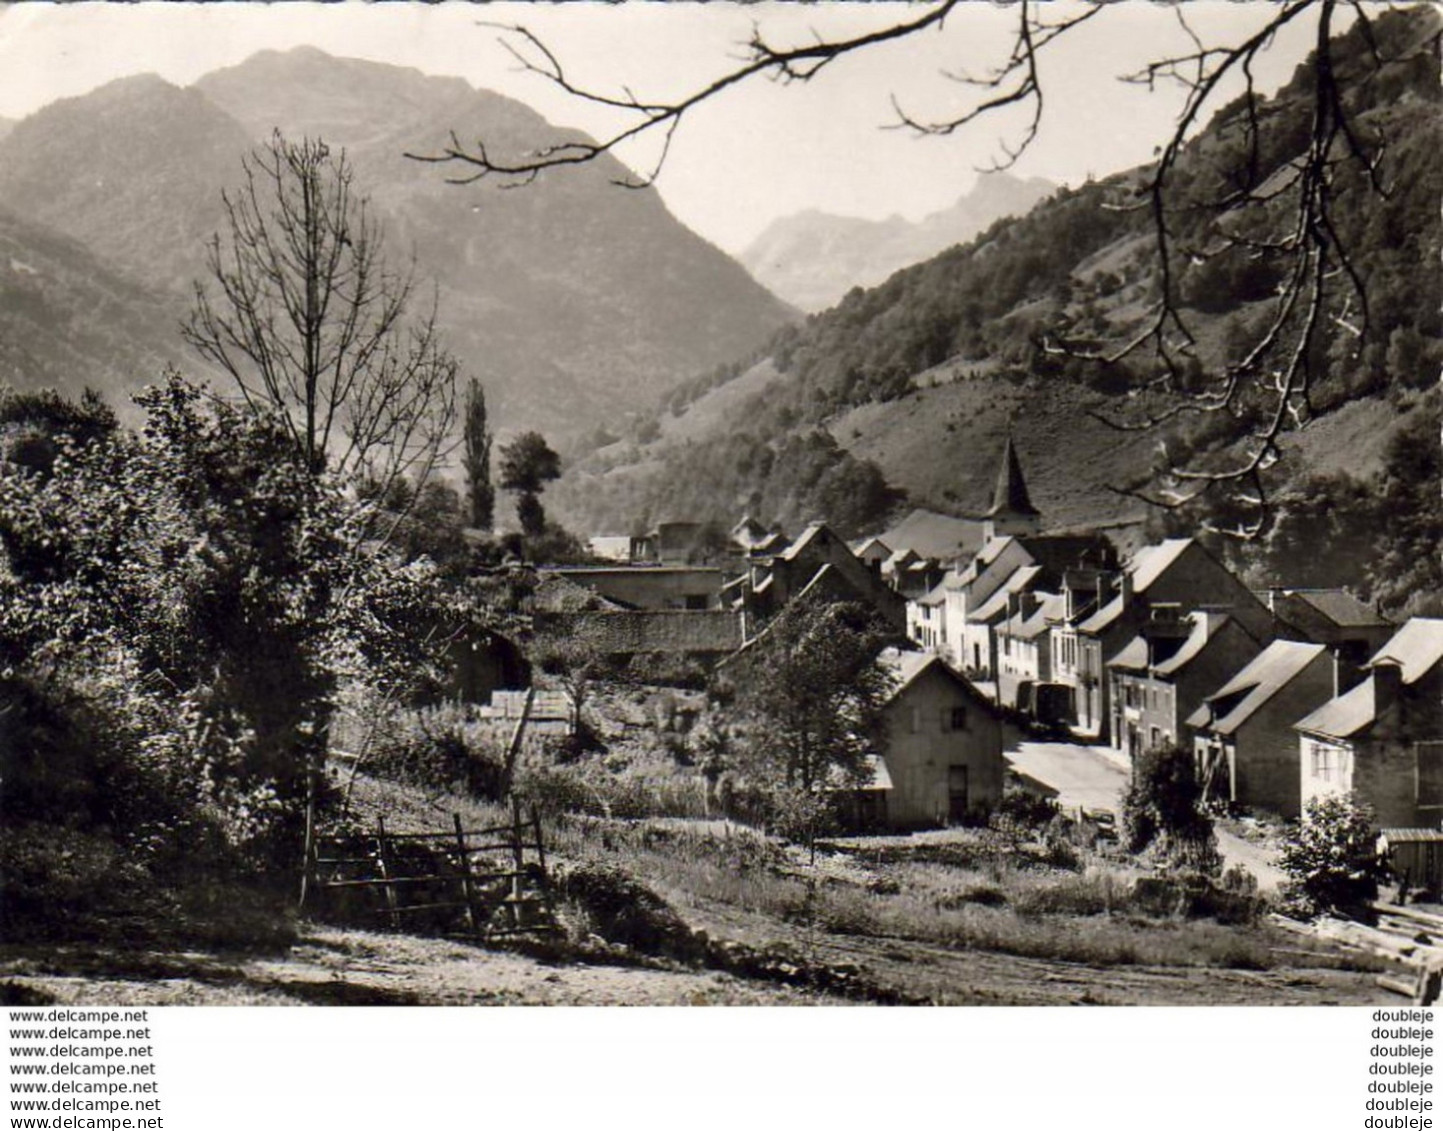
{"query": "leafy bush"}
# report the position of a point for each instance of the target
(1024, 810)
(1161, 808)
(1331, 857)
(623, 910)
(438, 748)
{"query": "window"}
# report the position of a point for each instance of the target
(1430, 775)
(1328, 763)
(957, 719)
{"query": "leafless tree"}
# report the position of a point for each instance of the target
(1285, 213)
(303, 312)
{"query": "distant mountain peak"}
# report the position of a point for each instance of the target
(812, 258)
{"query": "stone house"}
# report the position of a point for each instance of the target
(1106, 610)
(1245, 744)
(942, 748)
(1382, 740)
(772, 581)
(1024, 651)
(1161, 676)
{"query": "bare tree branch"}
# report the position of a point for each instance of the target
(308, 320)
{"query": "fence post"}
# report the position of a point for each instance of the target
(382, 850)
(463, 861)
(518, 860)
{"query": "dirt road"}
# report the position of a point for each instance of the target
(1093, 777)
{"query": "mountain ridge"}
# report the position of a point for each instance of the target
(813, 258)
(572, 302)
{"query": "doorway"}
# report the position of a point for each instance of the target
(956, 794)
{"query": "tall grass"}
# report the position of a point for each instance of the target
(976, 894)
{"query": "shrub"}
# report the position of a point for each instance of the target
(1161, 808)
(621, 909)
(1026, 808)
(1331, 857)
(440, 748)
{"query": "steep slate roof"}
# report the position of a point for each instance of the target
(1061, 552)
(1268, 673)
(1103, 617)
(751, 534)
(1151, 562)
(1050, 607)
(1417, 646)
(1147, 565)
(937, 595)
(1205, 628)
(900, 559)
(1018, 580)
(935, 535)
(1009, 496)
(1344, 716)
(1134, 655)
(1340, 607)
(907, 667)
(867, 544)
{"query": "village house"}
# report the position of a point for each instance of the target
(752, 537)
(979, 638)
(1160, 677)
(1352, 630)
(931, 534)
(873, 552)
(655, 587)
(1106, 609)
(942, 747)
(1382, 740)
(927, 620)
(959, 616)
(818, 561)
(1245, 744)
(1024, 656)
(911, 575)
(1038, 565)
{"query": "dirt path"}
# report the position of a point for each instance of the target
(979, 977)
(339, 967)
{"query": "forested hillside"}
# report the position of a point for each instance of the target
(917, 381)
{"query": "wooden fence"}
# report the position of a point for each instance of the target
(486, 882)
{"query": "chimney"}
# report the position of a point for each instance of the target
(1347, 671)
(1387, 685)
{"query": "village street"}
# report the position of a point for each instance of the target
(1093, 777)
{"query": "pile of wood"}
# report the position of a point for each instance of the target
(1406, 938)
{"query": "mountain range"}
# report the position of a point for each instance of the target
(812, 259)
(574, 302)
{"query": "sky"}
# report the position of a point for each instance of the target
(761, 151)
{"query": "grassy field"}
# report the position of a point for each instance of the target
(680, 909)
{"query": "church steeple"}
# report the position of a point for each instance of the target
(1012, 511)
